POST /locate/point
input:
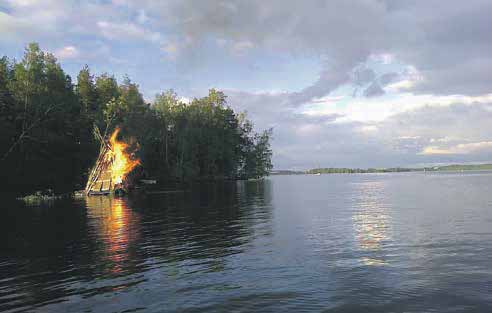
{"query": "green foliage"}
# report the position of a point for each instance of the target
(43, 142)
(86, 91)
(204, 139)
(46, 129)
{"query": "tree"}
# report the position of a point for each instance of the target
(131, 98)
(262, 154)
(45, 138)
(106, 90)
(8, 110)
(86, 92)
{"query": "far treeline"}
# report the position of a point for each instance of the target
(441, 168)
(343, 170)
(47, 121)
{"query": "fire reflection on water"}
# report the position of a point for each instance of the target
(114, 224)
(371, 222)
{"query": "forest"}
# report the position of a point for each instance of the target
(47, 122)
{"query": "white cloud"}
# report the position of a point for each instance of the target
(464, 148)
(124, 31)
(445, 139)
(401, 85)
(408, 80)
(384, 58)
(368, 128)
(379, 109)
(67, 52)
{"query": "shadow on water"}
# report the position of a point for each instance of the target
(82, 249)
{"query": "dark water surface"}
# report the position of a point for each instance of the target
(412, 242)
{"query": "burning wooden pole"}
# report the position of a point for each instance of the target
(112, 166)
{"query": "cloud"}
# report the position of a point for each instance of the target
(373, 90)
(360, 138)
(67, 52)
(446, 42)
(329, 80)
(125, 31)
(384, 58)
(380, 109)
(374, 85)
(459, 131)
(242, 47)
(464, 148)
(363, 75)
(27, 18)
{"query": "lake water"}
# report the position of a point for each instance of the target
(412, 242)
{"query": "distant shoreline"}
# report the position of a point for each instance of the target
(337, 170)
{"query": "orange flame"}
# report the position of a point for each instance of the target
(122, 163)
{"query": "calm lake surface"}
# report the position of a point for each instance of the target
(413, 242)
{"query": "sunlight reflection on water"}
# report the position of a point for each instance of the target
(371, 221)
(115, 224)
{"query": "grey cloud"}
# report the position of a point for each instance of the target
(328, 81)
(446, 41)
(363, 76)
(470, 77)
(470, 121)
(343, 33)
(441, 127)
(373, 90)
(376, 87)
(388, 78)
(449, 43)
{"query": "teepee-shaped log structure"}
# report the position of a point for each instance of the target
(112, 165)
(100, 178)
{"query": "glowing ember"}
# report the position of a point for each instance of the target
(122, 163)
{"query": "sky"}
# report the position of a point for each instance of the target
(343, 83)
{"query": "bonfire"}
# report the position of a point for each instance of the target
(112, 166)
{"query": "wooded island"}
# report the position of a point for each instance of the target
(47, 121)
